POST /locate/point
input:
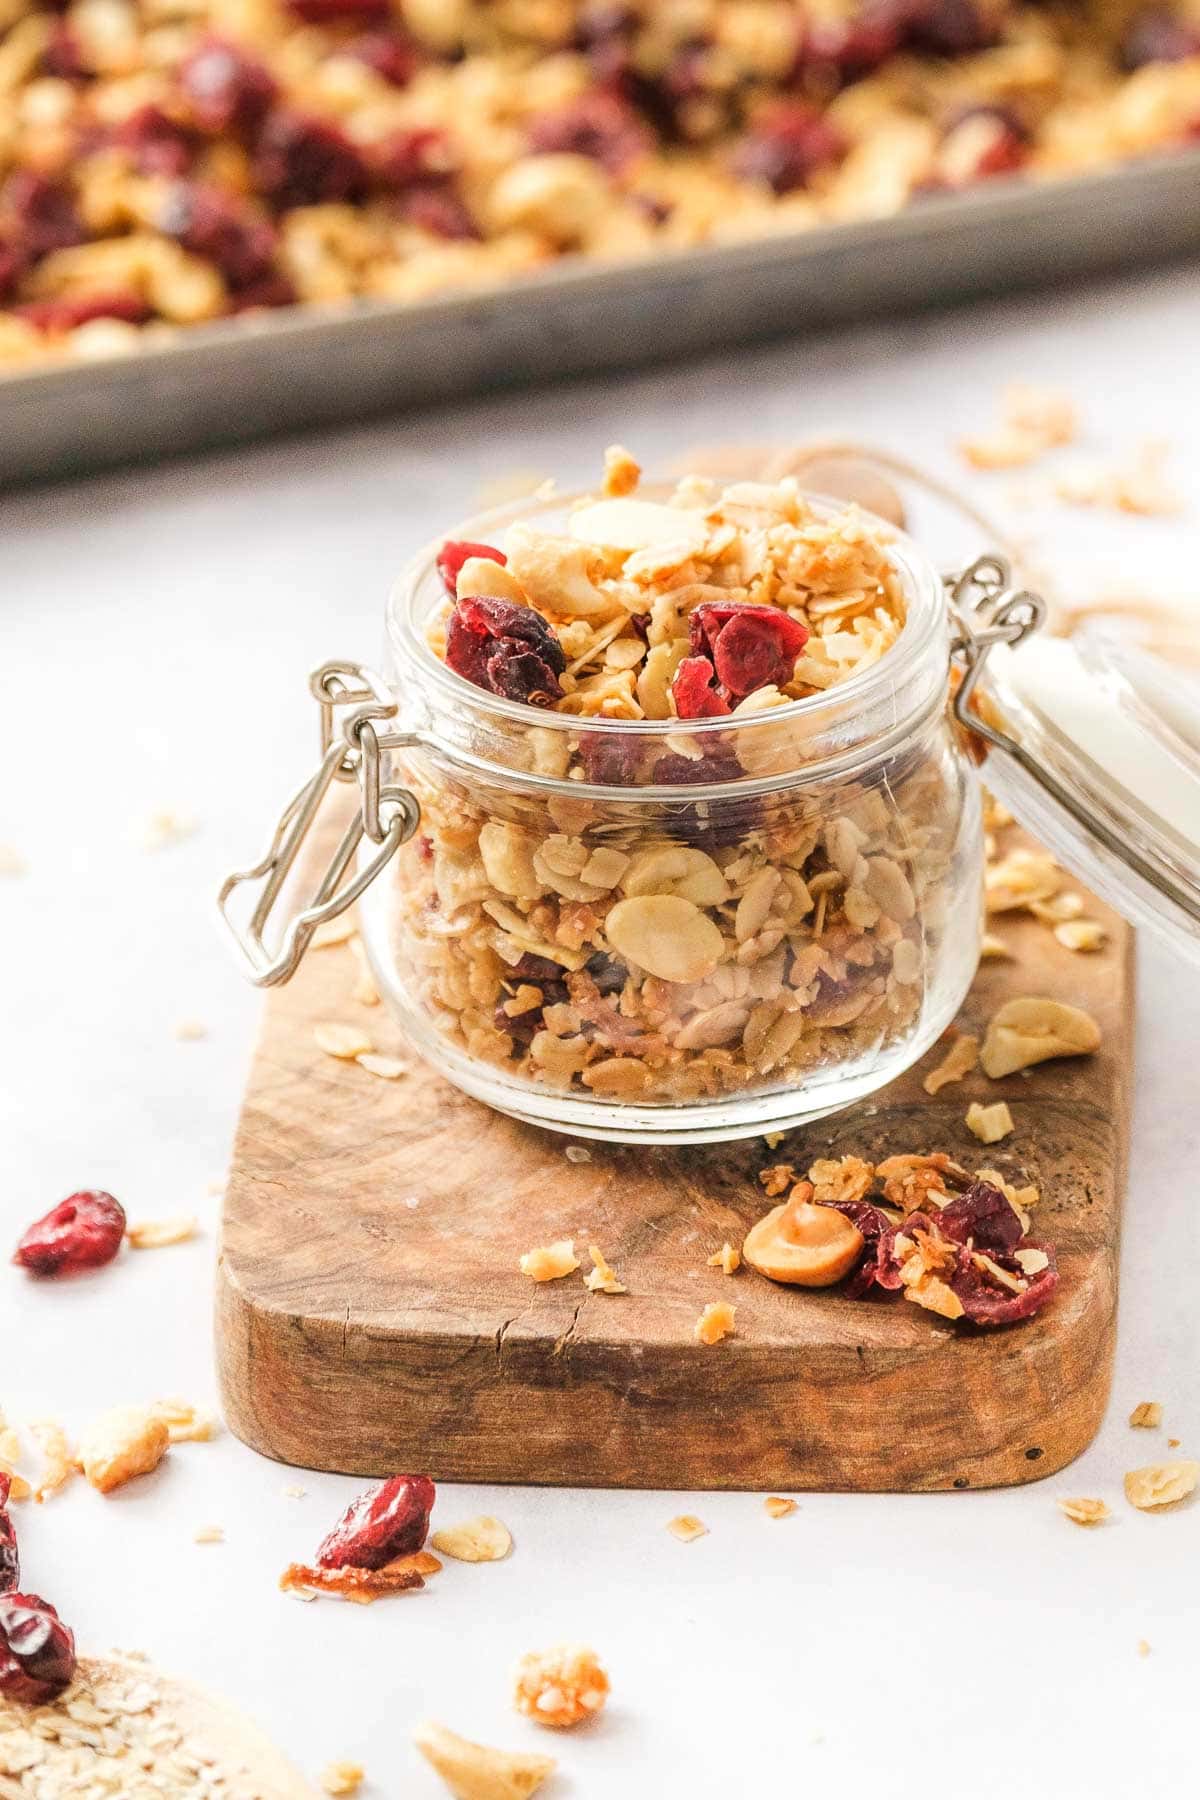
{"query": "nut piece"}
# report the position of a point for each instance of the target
(551, 1262)
(621, 471)
(474, 1772)
(560, 1687)
(157, 1234)
(687, 1528)
(727, 1259)
(482, 1539)
(344, 1041)
(1033, 1030)
(802, 1244)
(958, 1061)
(715, 1322)
(122, 1443)
(343, 1778)
(602, 1279)
(778, 1507)
(1148, 1415)
(184, 1424)
(1161, 1484)
(1084, 1512)
(990, 1123)
(1081, 934)
(665, 935)
(51, 1440)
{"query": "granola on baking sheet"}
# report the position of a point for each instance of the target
(180, 161)
(702, 943)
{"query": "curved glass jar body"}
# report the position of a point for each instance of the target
(668, 931)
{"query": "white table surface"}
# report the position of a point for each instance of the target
(156, 629)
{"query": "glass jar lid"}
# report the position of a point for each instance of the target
(1094, 744)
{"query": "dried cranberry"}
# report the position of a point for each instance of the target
(455, 552)
(608, 976)
(508, 649)
(604, 32)
(81, 1232)
(983, 1217)
(435, 207)
(226, 90)
(695, 696)
(43, 213)
(225, 230)
(388, 1521)
(392, 56)
(37, 1651)
(404, 158)
(851, 47)
(949, 27)
(539, 969)
(334, 12)
(272, 289)
(1003, 153)
(715, 765)
(877, 1265)
(10, 1561)
(610, 758)
(157, 145)
(750, 646)
(786, 146)
(13, 262)
(67, 315)
(1157, 35)
(63, 54)
(303, 161)
(598, 125)
(987, 1303)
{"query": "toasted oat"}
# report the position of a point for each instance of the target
(346, 1042)
(727, 1259)
(340, 1778)
(577, 1153)
(777, 1506)
(12, 863)
(209, 1534)
(61, 1463)
(714, 1323)
(167, 827)
(1084, 1512)
(958, 1061)
(687, 1527)
(185, 1425)
(1147, 1415)
(158, 1234)
(387, 1068)
(481, 1539)
(990, 1124)
(1081, 934)
(124, 1442)
(190, 1031)
(600, 1278)
(1161, 1484)
(334, 931)
(560, 1687)
(362, 1586)
(550, 1262)
(475, 1772)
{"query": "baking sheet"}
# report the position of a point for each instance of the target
(226, 383)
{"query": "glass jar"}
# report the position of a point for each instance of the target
(655, 931)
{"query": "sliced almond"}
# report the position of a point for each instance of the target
(482, 1539)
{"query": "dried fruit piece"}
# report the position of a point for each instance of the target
(560, 1687)
(37, 1651)
(1032, 1030)
(1084, 1512)
(786, 145)
(82, 1232)
(475, 1772)
(804, 1245)
(483, 1539)
(225, 89)
(749, 646)
(1161, 1484)
(990, 1124)
(381, 1524)
(505, 648)
(457, 551)
(551, 1261)
(693, 691)
(304, 161)
(124, 1442)
(362, 1586)
(714, 1323)
(687, 1528)
(1147, 1415)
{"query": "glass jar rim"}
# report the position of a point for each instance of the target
(925, 616)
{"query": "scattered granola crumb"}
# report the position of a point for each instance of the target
(550, 1262)
(341, 1778)
(777, 1178)
(1174, 1443)
(61, 1464)
(1141, 487)
(777, 1506)
(1143, 1648)
(715, 1322)
(12, 863)
(773, 1139)
(958, 1061)
(1084, 1512)
(687, 1528)
(165, 828)
(1031, 1262)
(560, 1687)
(124, 1442)
(601, 1279)
(10, 1455)
(1032, 1030)
(621, 471)
(482, 1539)
(362, 1586)
(364, 989)
(185, 1425)
(190, 1031)
(476, 1772)
(1049, 413)
(993, 948)
(334, 931)
(294, 1492)
(209, 1534)
(387, 1068)
(577, 1153)
(347, 1042)
(1081, 934)
(1147, 1415)
(727, 1259)
(157, 1234)
(990, 1124)
(1161, 1484)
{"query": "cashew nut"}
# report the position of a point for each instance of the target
(803, 1245)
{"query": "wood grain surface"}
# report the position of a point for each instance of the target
(371, 1315)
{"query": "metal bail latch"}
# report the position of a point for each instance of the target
(387, 816)
(985, 609)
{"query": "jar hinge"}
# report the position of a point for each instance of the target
(352, 749)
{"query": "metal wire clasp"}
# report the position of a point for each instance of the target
(985, 610)
(353, 702)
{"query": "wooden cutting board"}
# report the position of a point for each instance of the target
(371, 1315)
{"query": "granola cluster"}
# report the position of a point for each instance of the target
(693, 941)
(178, 161)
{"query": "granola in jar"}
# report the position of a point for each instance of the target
(694, 826)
